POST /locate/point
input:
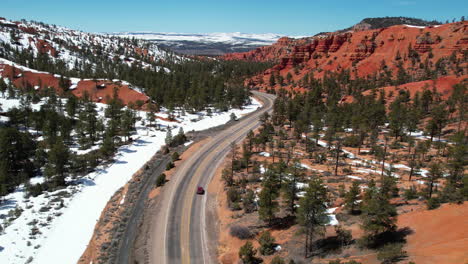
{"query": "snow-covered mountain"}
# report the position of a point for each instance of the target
(76, 49)
(205, 43)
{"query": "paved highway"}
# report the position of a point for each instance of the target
(178, 232)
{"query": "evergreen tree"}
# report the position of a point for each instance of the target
(168, 139)
(128, 123)
(457, 157)
(435, 173)
(247, 253)
(352, 196)
(71, 106)
(272, 81)
(3, 87)
(378, 215)
(267, 204)
(107, 148)
(57, 162)
(267, 243)
(16, 155)
(290, 187)
(313, 211)
(248, 201)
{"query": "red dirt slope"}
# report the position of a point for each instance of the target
(98, 91)
(440, 236)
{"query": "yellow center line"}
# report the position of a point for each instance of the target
(186, 212)
(187, 209)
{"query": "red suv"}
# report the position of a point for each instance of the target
(200, 190)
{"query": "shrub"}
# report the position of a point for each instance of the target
(391, 253)
(339, 262)
(278, 260)
(240, 232)
(247, 253)
(233, 196)
(161, 180)
(410, 194)
(170, 165)
(233, 117)
(344, 236)
(175, 156)
(248, 201)
(351, 141)
(36, 189)
(433, 203)
(267, 243)
(235, 206)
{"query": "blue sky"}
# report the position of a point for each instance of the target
(293, 17)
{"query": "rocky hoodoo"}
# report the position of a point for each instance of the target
(365, 52)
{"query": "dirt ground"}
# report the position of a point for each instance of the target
(439, 236)
(436, 236)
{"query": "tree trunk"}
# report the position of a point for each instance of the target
(338, 147)
(383, 158)
(430, 188)
(306, 247)
(412, 166)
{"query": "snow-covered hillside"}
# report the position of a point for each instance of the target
(55, 227)
(230, 38)
(205, 43)
(74, 48)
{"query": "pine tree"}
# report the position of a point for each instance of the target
(378, 215)
(150, 115)
(352, 196)
(107, 148)
(312, 212)
(58, 159)
(3, 87)
(128, 123)
(16, 154)
(267, 204)
(71, 106)
(248, 201)
(168, 139)
(435, 173)
(272, 81)
(457, 157)
(267, 243)
(247, 253)
(290, 189)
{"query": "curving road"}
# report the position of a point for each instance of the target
(178, 232)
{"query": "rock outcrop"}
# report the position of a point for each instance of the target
(362, 51)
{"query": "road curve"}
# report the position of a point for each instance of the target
(178, 228)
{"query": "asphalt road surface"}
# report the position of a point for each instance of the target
(178, 232)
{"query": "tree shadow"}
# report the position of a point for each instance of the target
(397, 236)
(329, 245)
(283, 223)
(86, 182)
(127, 150)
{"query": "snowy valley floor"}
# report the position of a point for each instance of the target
(55, 227)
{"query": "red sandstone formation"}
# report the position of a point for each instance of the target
(362, 51)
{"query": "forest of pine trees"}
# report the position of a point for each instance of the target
(192, 84)
(279, 192)
(36, 142)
